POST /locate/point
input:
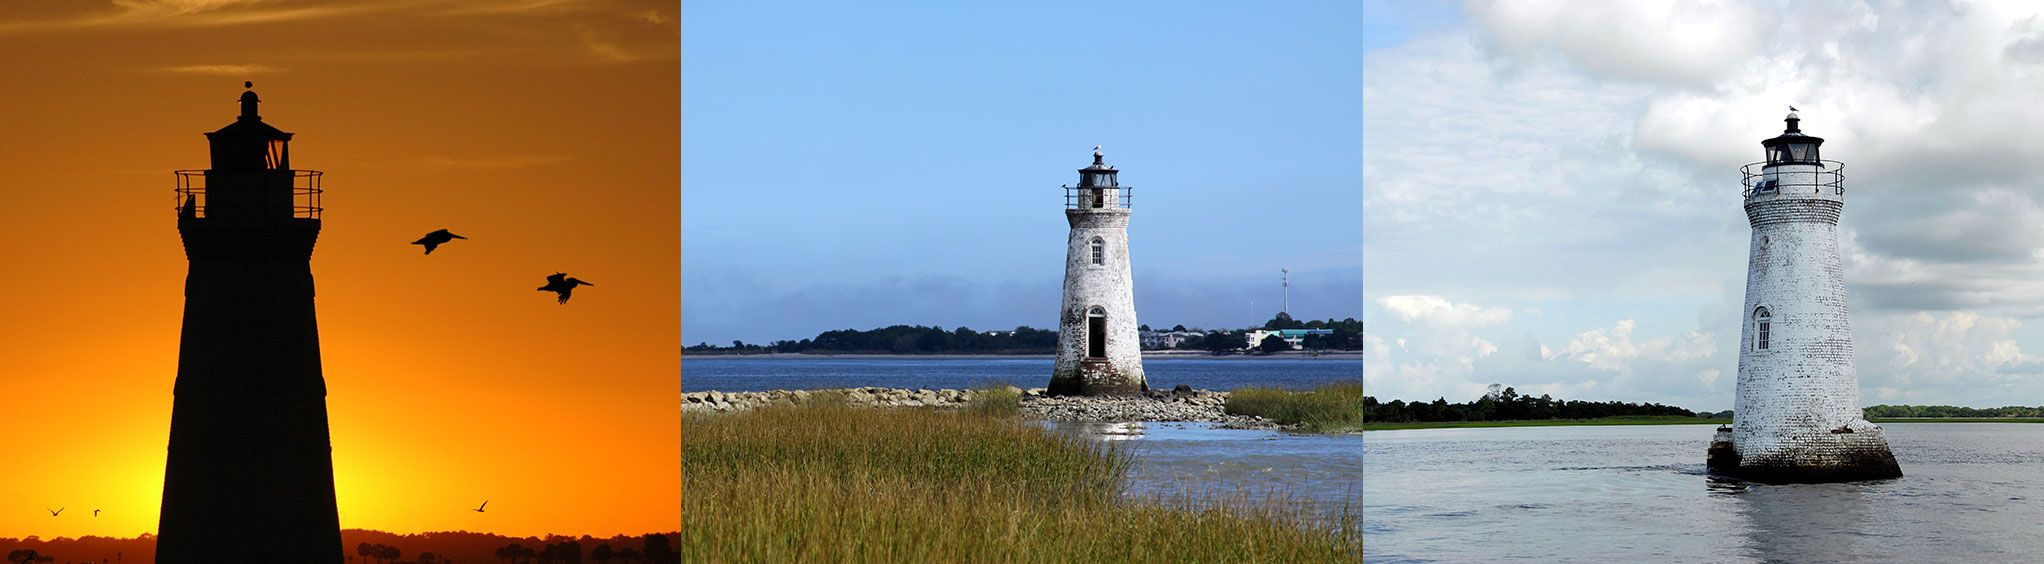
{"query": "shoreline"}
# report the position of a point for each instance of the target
(1186, 405)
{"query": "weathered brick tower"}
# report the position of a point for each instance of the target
(250, 475)
(1098, 349)
(1797, 416)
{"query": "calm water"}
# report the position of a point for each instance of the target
(747, 374)
(1969, 492)
(1174, 460)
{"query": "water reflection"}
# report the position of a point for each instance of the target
(1178, 461)
(1800, 522)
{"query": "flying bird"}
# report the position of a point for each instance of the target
(435, 239)
(479, 508)
(560, 283)
(95, 513)
(54, 513)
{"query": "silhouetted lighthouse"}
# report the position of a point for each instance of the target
(250, 476)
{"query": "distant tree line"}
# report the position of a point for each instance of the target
(1952, 411)
(917, 339)
(1505, 404)
(905, 339)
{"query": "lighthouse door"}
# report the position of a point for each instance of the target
(1096, 336)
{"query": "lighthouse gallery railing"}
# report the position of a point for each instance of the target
(1078, 197)
(305, 191)
(1829, 174)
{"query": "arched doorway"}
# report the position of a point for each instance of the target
(1096, 333)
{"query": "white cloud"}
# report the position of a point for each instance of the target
(1436, 310)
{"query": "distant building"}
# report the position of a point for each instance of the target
(1167, 339)
(1296, 337)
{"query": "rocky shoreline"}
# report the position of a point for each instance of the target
(1183, 404)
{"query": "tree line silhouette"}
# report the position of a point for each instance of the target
(1501, 403)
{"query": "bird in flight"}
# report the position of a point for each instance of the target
(95, 513)
(435, 239)
(479, 508)
(54, 513)
(560, 283)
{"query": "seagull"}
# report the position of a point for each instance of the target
(479, 508)
(1793, 109)
(560, 283)
(435, 239)
(54, 513)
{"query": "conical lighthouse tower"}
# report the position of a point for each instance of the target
(1099, 351)
(1797, 416)
(250, 474)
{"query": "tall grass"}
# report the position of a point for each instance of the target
(1330, 408)
(996, 401)
(824, 482)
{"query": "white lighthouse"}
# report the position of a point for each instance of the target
(1098, 350)
(1797, 416)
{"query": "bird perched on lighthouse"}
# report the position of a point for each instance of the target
(560, 283)
(435, 239)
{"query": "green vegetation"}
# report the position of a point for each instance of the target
(826, 482)
(996, 401)
(1616, 420)
(1914, 411)
(1957, 419)
(1501, 403)
(1330, 408)
(904, 339)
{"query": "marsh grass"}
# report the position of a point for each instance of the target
(1330, 408)
(824, 482)
(996, 401)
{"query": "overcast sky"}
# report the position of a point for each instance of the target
(857, 167)
(1552, 192)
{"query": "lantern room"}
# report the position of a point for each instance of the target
(248, 143)
(1792, 146)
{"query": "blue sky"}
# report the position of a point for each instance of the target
(1552, 192)
(854, 167)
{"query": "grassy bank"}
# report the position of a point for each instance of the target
(1330, 408)
(823, 482)
(1619, 420)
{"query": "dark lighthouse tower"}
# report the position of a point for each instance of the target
(250, 476)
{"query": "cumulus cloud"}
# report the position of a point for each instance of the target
(1687, 42)
(1439, 311)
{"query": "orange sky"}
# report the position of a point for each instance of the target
(545, 131)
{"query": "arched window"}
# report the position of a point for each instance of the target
(1763, 324)
(1099, 251)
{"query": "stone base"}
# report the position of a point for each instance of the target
(1833, 457)
(1096, 377)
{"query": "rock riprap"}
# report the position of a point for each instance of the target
(1177, 405)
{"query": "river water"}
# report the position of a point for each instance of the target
(759, 373)
(1192, 461)
(1969, 492)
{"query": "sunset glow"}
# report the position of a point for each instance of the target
(545, 132)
